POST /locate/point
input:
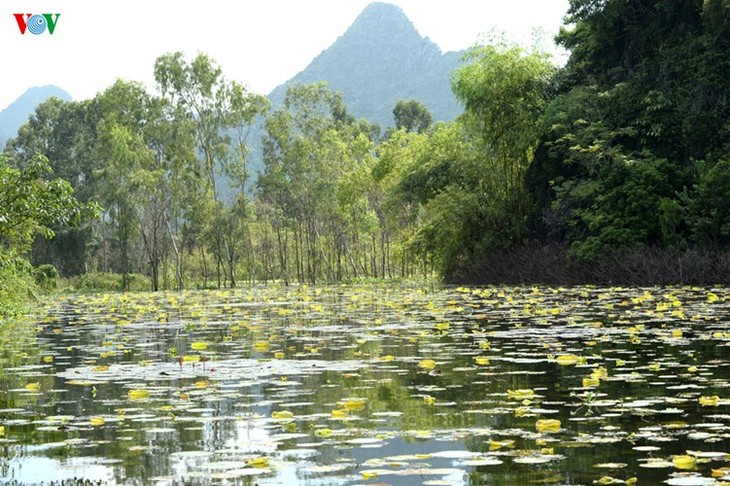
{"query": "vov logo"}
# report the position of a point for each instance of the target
(36, 23)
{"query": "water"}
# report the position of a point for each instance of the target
(370, 385)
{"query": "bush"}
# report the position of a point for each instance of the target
(46, 276)
(16, 286)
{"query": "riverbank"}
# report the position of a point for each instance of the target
(553, 265)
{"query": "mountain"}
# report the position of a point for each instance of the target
(379, 60)
(17, 113)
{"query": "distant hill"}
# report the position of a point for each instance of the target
(379, 60)
(17, 113)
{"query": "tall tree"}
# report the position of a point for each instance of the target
(215, 106)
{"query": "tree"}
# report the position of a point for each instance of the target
(198, 92)
(31, 204)
(412, 115)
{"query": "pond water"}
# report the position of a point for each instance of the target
(371, 385)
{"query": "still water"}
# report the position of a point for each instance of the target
(371, 385)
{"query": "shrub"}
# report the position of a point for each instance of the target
(46, 276)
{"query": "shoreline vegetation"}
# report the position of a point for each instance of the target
(642, 267)
(615, 168)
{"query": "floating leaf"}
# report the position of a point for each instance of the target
(591, 382)
(356, 404)
(261, 346)
(495, 445)
(523, 394)
(324, 433)
(712, 401)
(427, 364)
(97, 421)
(684, 462)
(33, 386)
(548, 425)
(258, 462)
(567, 359)
(369, 474)
(138, 394)
(199, 346)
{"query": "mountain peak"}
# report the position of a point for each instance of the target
(385, 22)
(380, 59)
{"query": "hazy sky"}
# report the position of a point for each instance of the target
(260, 43)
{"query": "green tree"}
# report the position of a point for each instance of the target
(198, 92)
(30, 204)
(412, 115)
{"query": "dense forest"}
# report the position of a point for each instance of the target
(613, 168)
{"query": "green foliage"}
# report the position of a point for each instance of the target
(30, 205)
(17, 287)
(46, 276)
(640, 102)
(412, 115)
(709, 209)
